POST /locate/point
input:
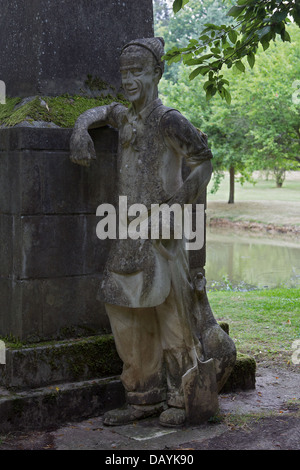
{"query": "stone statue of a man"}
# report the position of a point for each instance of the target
(153, 307)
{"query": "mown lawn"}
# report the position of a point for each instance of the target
(262, 203)
(263, 323)
(263, 189)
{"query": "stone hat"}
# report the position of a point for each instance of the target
(154, 45)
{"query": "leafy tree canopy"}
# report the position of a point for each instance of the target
(234, 44)
(260, 129)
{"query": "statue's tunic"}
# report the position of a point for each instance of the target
(139, 273)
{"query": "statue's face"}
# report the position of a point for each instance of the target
(140, 76)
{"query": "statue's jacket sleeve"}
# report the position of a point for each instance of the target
(184, 139)
(151, 147)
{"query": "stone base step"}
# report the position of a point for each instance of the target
(55, 405)
(40, 365)
(50, 407)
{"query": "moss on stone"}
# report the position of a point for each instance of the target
(243, 375)
(90, 357)
(79, 359)
(59, 110)
(95, 83)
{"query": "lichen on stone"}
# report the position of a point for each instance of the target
(50, 111)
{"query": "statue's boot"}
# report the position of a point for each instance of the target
(172, 417)
(130, 413)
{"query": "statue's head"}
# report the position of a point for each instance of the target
(141, 68)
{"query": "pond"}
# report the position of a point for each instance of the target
(244, 261)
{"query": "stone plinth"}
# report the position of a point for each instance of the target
(50, 47)
(51, 260)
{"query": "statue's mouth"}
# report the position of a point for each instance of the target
(132, 90)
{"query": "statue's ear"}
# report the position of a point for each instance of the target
(158, 73)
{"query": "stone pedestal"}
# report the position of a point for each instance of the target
(51, 260)
(50, 47)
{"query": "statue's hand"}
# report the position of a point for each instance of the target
(82, 147)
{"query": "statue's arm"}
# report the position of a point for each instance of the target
(194, 185)
(189, 142)
(82, 149)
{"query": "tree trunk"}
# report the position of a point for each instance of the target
(231, 185)
(279, 176)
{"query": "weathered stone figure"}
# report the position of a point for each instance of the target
(175, 355)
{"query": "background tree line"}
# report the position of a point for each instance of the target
(257, 126)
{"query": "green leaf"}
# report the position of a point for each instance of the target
(233, 35)
(206, 56)
(211, 91)
(197, 71)
(223, 81)
(193, 42)
(227, 96)
(236, 11)
(174, 58)
(210, 26)
(240, 66)
(177, 5)
(207, 84)
(285, 36)
(228, 51)
(279, 16)
(262, 32)
(265, 44)
(204, 37)
(199, 60)
(251, 59)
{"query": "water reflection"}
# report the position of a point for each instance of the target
(243, 261)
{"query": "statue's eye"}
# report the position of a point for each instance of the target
(137, 72)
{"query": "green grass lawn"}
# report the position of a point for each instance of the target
(262, 203)
(263, 323)
(263, 190)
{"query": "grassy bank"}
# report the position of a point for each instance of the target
(263, 323)
(261, 203)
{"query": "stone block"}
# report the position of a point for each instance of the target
(59, 245)
(51, 260)
(53, 406)
(55, 308)
(37, 365)
(77, 312)
(53, 46)
(6, 244)
(37, 166)
(25, 138)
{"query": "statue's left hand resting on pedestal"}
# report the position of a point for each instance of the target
(82, 148)
(81, 144)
